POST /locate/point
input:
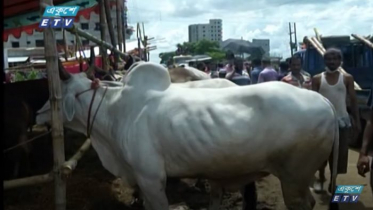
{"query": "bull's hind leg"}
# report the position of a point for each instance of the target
(297, 195)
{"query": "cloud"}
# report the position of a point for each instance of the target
(168, 20)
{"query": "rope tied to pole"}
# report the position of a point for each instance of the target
(26, 142)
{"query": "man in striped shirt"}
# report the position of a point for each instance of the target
(297, 76)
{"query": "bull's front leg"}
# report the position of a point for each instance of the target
(153, 191)
(216, 195)
(151, 178)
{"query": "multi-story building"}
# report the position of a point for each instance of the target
(212, 31)
(92, 26)
(264, 44)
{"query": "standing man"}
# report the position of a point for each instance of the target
(297, 76)
(335, 86)
(257, 68)
(268, 74)
(284, 70)
(237, 74)
(363, 162)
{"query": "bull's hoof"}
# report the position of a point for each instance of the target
(137, 203)
(318, 187)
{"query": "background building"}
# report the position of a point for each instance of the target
(264, 44)
(92, 26)
(212, 31)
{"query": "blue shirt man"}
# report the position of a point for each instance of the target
(256, 71)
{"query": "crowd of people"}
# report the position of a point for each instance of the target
(337, 87)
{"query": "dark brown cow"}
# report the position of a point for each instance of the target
(21, 102)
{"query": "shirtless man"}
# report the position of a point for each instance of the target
(335, 86)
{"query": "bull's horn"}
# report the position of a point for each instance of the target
(64, 75)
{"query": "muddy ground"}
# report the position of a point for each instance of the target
(91, 187)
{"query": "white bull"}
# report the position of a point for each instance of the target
(148, 130)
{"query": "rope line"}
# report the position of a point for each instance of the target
(26, 142)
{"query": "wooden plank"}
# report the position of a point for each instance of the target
(96, 40)
(364, 40)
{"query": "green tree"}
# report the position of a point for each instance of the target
(166, 56)
(217, 56)
(207, 47)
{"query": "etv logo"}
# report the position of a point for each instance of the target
(58, 22)
(347, 193)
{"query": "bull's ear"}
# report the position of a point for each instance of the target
(69, 106)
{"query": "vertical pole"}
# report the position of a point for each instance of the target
(139, 40)
(103, 27)
(65, 44)
(111, 31)
(295, 37)
(55, 96)
(124, 22)
(6, 65)
(119, 24)
(145, 43)
(291, 41)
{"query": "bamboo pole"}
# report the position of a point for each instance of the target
(55, 95)
(139, 39)
(65, 44)
(364, 40)
(145, 43)
(111, 30)
(29, 181)
(318, 46)
(103, 27)
(96, 40)
(119, 24)
(71, 164)
(124, 22)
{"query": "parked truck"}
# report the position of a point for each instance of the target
(357, 61)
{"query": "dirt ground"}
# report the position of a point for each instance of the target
(91, 187)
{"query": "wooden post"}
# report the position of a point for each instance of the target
(55, 96)
(145, 43)
(124, 22)
(103, 27)
(111, 30)
(119, 24)
(291, 41)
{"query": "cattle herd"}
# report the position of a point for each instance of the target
(157, 123)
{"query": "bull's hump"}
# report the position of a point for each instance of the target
(148, 76)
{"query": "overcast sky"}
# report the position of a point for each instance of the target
(168, 20)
